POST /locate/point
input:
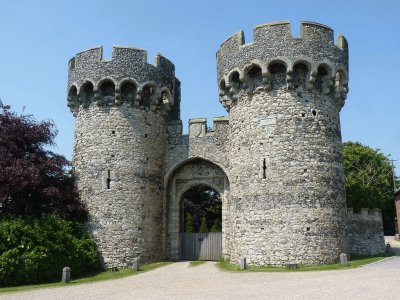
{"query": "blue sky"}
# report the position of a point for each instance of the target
(39, 37)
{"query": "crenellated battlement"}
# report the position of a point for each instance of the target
(126, 77)
(366, 214)
(198, 127)
(279, 32)
(120, 54)
(276, 59)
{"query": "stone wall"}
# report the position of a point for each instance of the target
(121, 106)
(365, 232)
(287, 200)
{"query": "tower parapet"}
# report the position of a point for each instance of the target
(126, 77)
(277, 59)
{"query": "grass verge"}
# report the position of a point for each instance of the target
(355, 262)
(93, 277)
(195, 263)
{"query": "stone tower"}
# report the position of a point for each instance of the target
(284, 95)
(121, 107)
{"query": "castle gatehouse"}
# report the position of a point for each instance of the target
(275, 159)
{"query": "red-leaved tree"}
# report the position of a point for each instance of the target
(33, 179)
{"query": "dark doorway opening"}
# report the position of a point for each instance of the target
(201, 224)
(201, 210)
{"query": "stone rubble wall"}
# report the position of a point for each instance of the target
(287, 202)
(209, 144)
(296, 214)
(365, 232)
(120, 148)
(126, 219)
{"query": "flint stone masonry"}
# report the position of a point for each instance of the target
(365, 232)
(276, 160)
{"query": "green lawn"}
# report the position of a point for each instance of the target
(98, 276)
(353, 263)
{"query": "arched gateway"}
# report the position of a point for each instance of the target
(191, 173)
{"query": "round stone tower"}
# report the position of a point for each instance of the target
(121, 106)
(284, 94)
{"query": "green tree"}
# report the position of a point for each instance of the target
(203, 225)
(202, 201)
(189, 223)
(217, 227)
(369, 181)
(33, 179)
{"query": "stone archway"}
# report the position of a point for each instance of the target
(193, 172)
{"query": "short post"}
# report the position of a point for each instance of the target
(66, 275)
(242, 263)
(136, 265)
(388, 248)
(343, 259)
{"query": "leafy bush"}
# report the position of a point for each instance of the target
(35, 250)
(33, 179)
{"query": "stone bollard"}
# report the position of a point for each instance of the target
(388, 248)
(396, 236)
(66, 275)
(136, 265)
(242, 263)
(343, 259)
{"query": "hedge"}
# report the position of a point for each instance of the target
(35, 250)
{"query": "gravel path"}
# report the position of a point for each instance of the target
(179, 281)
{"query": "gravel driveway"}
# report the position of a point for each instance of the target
(179, 281)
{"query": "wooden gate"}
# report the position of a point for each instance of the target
(201, 246)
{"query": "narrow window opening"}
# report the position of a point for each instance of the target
(308, 228)
(112, 131)
(303, 115)
(264, 167)
(314, 113)
(145, 135)
(305, 170)
(108, 180)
